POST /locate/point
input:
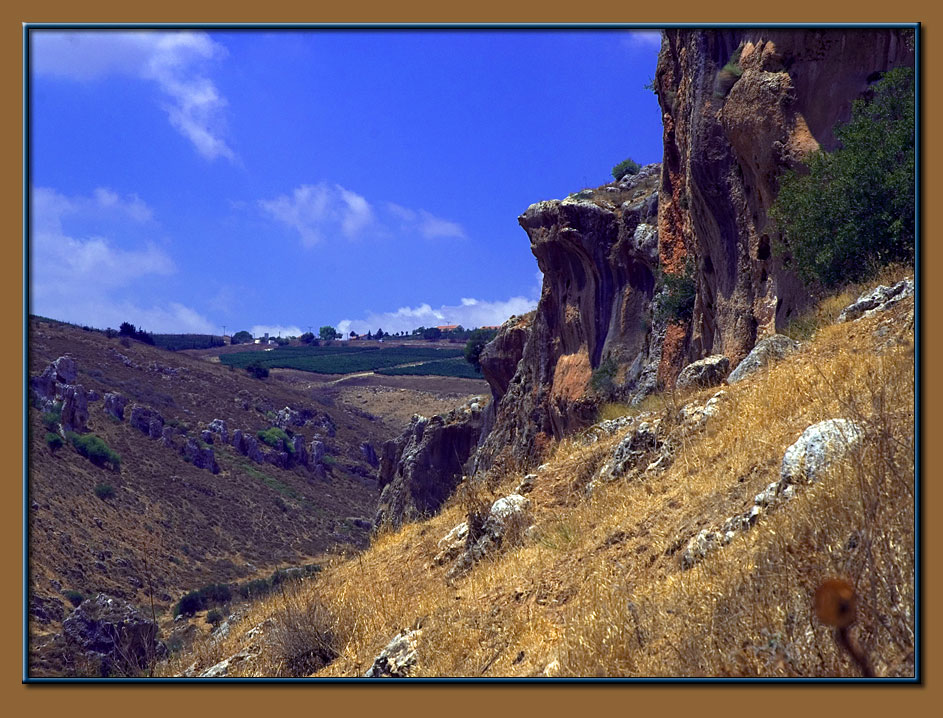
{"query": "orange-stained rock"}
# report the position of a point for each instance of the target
(725, 148)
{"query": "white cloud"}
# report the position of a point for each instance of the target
(175, 61)
(425, 223)
(469, 313)
(275, 330)
(642, 39)
(321, 211)
(324, 211)
(80, 279)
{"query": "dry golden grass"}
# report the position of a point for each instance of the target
(596, 588)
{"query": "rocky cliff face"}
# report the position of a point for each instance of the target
(739, 107)
(420, 469)
(598, 253)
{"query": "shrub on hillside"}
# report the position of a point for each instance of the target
(53, 440)
(852, 210)
(73, 597)
(214, 617)
(94, 449)
(189, 604)
(625, 167)
(52, 419)
(475, 344)
(104, 491)
(258, 370)
(304, 637)
(276, 438)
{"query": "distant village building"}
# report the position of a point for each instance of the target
(448, 328)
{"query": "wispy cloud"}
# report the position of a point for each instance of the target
(425, 223)
(82, 279)
(177, 62)
(323, 211)
(469, 312)
(642, 39)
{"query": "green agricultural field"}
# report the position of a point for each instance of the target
(339, 359)
(457, 367)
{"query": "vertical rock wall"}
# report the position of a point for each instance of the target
(728, 136)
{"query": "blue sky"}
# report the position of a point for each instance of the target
(280, 180)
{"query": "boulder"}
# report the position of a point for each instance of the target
(299, 452)
(45, 610)
(44, 387)
(507, 515)
(114, 405)
(764, 353)
(397, 659)
(225, 666)
(277, 458)
(637, 445)
(709, 371)
(218, 426)
(820, 446)
(202, 458)
(65, 370)
(288, 417)
(167, 437)
(113, 632)
(317, 453)
(147, 421)
(694, 414)
(74, 408)
(207, 436)
(252, 448)
(876, 300)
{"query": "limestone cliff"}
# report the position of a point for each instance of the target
(597, 250)
(739, 107)
(421, 468)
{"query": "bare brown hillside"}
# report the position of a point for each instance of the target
(171, 527)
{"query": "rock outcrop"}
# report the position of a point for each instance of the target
(598, 252)
(470, 541)
(115, 404)
(879, 299)
(420, 469)
(763, 354)
(201, 457)
(397, 659)
(147, 421)
(820, 446)
(709, 371)
(113, 632)
(728, 136)
(55, 389)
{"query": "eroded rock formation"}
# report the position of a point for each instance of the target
(740, 106)
(598, 251)
(420, 469)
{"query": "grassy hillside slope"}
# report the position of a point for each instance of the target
(597, 588)
(171, 527)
